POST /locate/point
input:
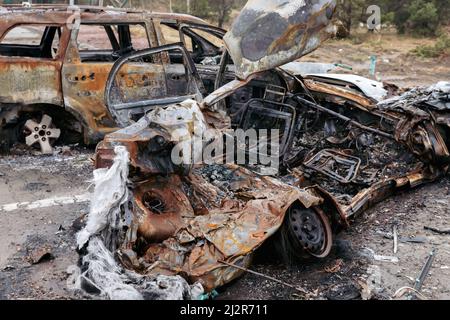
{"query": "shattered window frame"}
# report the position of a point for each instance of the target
(119, 35)
(194, 82)
(58, 35)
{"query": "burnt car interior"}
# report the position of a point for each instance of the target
(261, 104)
(118, 36)
(334, 143)
(44, 49)
(199, 47)
(258, 105)
(120, 40)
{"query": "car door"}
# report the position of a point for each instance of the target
(92, 52)
(203, 42)
(130, 94)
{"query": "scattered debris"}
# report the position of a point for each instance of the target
(390, 236)
(409, 278)
(404, 290)
(343, 292)
(39, 255)
(209, 296)
(386, 235)
(369, 253)
(414, 293)
(66, 151)
(35, 186)
(303, 291)
(386, 258)
(336, 267)
(8, 268)
(61, 229)
(442, 232)
(425, 271)
(79, 223)
(395, 239)
(413, 240)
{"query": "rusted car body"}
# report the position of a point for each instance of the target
(63, 74)
(345, 146)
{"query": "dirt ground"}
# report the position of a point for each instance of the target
(395, 62)
(37, 240)
(26, 235)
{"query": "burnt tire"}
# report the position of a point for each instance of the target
(71, 130)
(305, 234)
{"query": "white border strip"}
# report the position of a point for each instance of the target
(45, 203)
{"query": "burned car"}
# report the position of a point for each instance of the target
(55, 60)
(343, 143)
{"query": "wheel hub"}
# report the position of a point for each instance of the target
(42, 133)
(311, 230)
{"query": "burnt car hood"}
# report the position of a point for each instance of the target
(370, 88)
(270, 33)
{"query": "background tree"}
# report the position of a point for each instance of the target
(416, 17)
(222, 10)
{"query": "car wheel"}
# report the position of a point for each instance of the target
(41, 133)
(306, 233)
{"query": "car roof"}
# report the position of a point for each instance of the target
(40, 13)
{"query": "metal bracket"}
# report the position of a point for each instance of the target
(334, 164)
(275, 93)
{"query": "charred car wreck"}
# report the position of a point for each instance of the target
(346, 143)
(55, 60)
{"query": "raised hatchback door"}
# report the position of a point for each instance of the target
(270, 33)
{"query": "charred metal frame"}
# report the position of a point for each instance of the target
(288, 117)
(191, 71)
(320, 162)
(340, 116)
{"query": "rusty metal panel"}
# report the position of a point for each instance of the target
(84, 88)
(340, 92)
(26, 80)
(9, 19)
(208, 230)
(30, 81)
(60, 15)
